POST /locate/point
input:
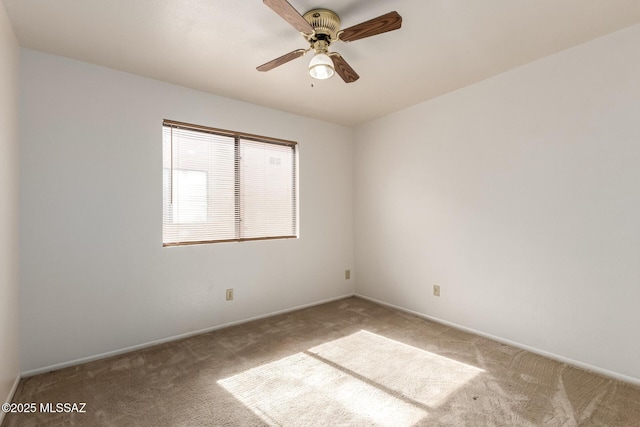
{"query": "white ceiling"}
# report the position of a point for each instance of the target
(215, 45)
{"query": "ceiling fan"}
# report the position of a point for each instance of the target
(321, 28)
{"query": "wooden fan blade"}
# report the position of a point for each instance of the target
(290, 14)
(387, 22)
(282, 60)
(343, 69)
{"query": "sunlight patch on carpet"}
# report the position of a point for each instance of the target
(363, 378)
(419, 375)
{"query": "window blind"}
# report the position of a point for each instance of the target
(221, 186)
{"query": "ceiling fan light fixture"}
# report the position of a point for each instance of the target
(321, 66)
(320, 28)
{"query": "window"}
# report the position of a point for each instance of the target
(221, 186)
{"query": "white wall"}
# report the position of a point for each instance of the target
(520, 196)
(94, 275)
(9, 199)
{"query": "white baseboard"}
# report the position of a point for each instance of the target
(568, 361)
(9, 398)
(81, 360)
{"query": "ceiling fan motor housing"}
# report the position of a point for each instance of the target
(325, 22)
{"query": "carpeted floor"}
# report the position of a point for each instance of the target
(349, 362)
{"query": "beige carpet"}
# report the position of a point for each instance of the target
(350, 362)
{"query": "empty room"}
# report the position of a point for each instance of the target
(312, 213)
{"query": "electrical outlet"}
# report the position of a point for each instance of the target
(229, 294)
(347, 274)
(436, 290)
